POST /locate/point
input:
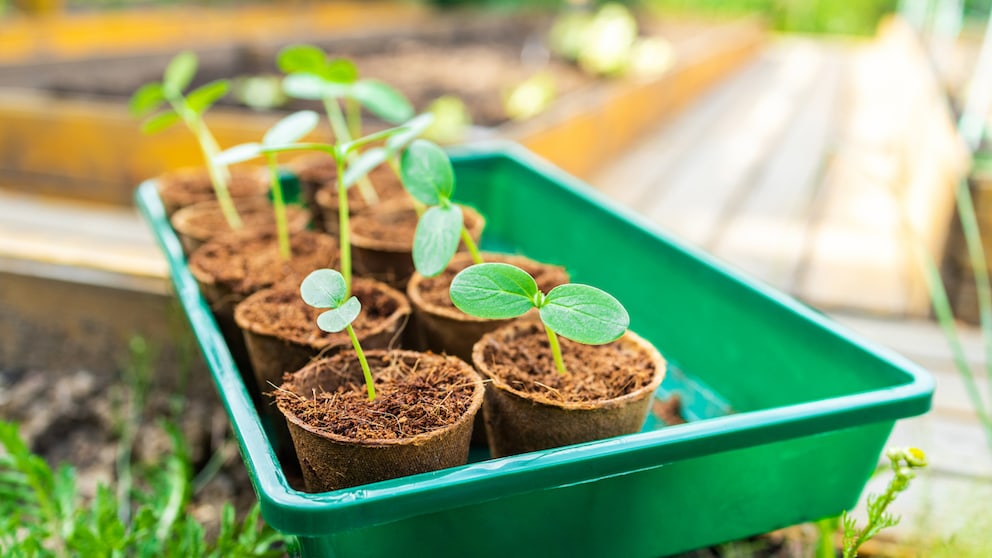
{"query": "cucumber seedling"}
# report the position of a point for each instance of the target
(578, 312)
(326, 288)
(188, 109)
(315, 76)
(429, 178)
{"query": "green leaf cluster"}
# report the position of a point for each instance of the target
(168, 96)
(42, 514)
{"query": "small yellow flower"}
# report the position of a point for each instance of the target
(915, 457)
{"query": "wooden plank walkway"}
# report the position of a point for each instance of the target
(826, 169)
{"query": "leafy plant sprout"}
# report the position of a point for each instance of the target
(428, 176)
(326, 288)
(578, 312)
(188, 109)
(348, 172)
(313, 75)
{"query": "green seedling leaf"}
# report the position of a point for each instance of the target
(494, 291)
(201, 98)
(147, 98)
(291, 128)
(427, 172)
(584, 314)
(436, 239)
(409, 132)
(301, 58)
(382, 100)
(340, 70)
(324, 288)
(337, 319)
(312, 87)
(160, 122)
(238, 154)
(364, 164)
(180, 71)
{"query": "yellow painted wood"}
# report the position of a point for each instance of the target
(66, 36)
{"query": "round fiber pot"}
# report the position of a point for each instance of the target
(318, 174)
(198, 223)
(188, 186)
(382, 240)
(446, 329)
(282, 335)
(230, 267)
(531, 406)
(420, 421)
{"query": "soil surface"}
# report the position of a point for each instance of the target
(595, 372)
(205, 220)
(188, 186)
(245, 263)
(434, 290)
(285, 315)
(412, 397)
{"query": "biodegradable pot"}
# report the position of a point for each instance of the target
(530, 406)
(338, 450)
(282, 335)
(446, 329)
(232, 266)
(188, 186)
(200, 222)
(382, 240)
(317, 173)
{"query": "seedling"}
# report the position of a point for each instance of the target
(429, 178)
(395, 140)
(189, 110)
(581, 313)
(326, 288)
(313, 75)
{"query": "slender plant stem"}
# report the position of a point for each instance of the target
(361, 360)
(342, 135)
(354, 116)
(219, 175)
(979, 269)
(555, 350)
(344, 234)
(279, 206)
(472, 247)
(825, 544)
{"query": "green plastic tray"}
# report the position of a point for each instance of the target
(788, 411)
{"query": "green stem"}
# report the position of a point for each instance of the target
(472, 247)
(344, 234)
(342, 135)
(362, 361)
(825, 544)
(555, 350)
(354, 117)
(279, 206)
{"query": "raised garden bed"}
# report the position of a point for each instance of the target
(80, 104)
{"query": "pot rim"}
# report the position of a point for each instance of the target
(475, 221)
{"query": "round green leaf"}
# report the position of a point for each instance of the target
(427, 172)
(409, 131)
(301, 58)
(180, 71)
(324, 288)
(291, 128)
(147, 98)
(312, 87)
(159, 122)
(584, 314)
(202, 97)
(341, 70)
(382, 100)
(493, 290)
(238, 154)
(436, 239)
(364, 164)
(339, 318)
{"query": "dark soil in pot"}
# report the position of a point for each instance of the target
(184, 187)
(531, 406)
(233, 266)
(318, 174)
(421, 419)
(382, 240)
(282, 334)
(198, 223)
